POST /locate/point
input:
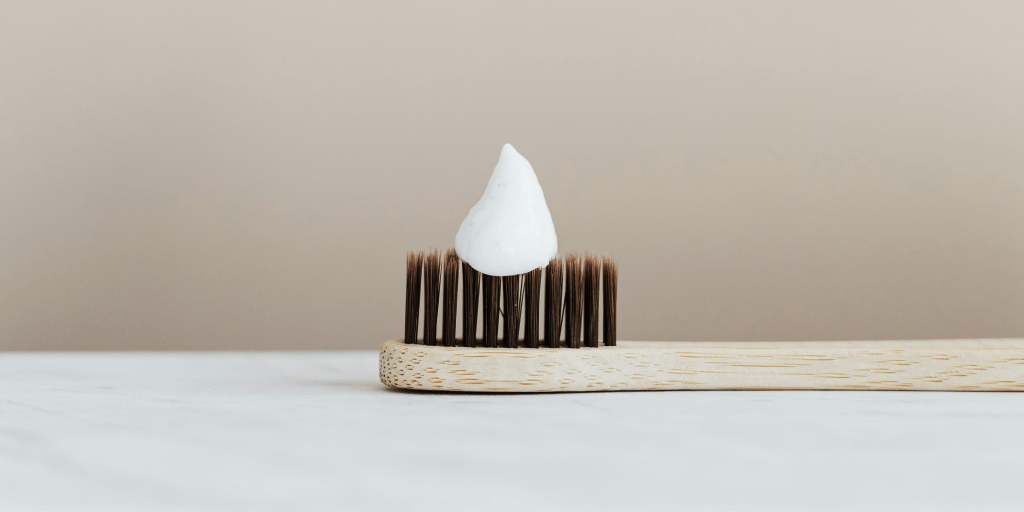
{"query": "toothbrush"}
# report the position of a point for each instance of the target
(509, 364)
(507, 247)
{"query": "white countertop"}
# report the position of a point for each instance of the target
(296, 431)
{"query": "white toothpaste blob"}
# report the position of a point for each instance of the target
(509, 230)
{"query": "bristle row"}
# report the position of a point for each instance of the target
(470, 301)
(512, 292)
(553, 305)
(573, 300)
(451, 297)
(413, 269)
(431, 294)
(591, 299)
(492, 295)
(610, 285)
(531, 291)
(574, 290)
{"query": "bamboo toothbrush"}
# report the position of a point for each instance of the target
(572, 290)
(506, 246)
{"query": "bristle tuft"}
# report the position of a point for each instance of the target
(431, 294)
(492, 296)
(610, 284)
(573, 300)
(553, 303)
(591, 299)
(413, 269)
(470, 301)
(512, 291)
(450, 301)
(531, 288)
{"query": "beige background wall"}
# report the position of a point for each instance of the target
(201, 175)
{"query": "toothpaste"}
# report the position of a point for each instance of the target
(509, 231)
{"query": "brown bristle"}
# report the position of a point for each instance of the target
(470, 300)
(574, 290)
(610, 282)
(450, 301)
(531, 288)
(413, 269)
(492, 295)
(573, 300)
(431, 294)
(591, 288)
(553, 303)
(512, 291)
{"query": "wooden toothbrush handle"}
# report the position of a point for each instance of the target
(927, 365)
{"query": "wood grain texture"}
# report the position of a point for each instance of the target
(925, 365)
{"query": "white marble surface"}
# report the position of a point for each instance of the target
(317, 431)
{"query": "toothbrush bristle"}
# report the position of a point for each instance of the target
(512, 290)
(610, 283)
(553, 306)
(531, 329)
(573, 300)
(431, 294)
(413, 269)
(492, 295)
(450, 301)
(591, 299)
(470, 303)
(575, 290)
